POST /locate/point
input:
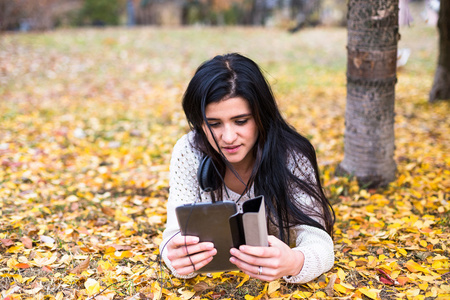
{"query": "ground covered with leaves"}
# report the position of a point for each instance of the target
(88, 120)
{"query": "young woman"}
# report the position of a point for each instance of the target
(235, 120)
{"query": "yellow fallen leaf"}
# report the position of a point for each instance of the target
(18, 278)
(433, 293)
(371, 293)
(437, 265)
(320, 295)
(301, 295)
(341, 274)
(246, 278)
(11, 263)
(59, 296)
(445, 288)
(185, 294)
(414, 267)
(340, 288)
(412, 292)
(358, 253)
(107, 295)
(423, 286)
(428, 278)
(92, 286)
(45, 261)
(34, 290)
(372, 262)
(273, 286)
(402, 251)
(14, 249)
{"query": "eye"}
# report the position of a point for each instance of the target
(214, 124)
(241, 122)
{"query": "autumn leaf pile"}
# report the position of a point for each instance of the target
(88, 120)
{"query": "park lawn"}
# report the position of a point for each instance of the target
(88, 120)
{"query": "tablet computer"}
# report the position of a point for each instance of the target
(221, 224)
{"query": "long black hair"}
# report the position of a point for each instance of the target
(233, 75)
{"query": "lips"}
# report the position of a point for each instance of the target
(231, 149)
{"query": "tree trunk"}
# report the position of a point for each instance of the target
(371, 77)
(258, 12)
(441, 84)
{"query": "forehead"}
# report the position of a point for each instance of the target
(228, 108)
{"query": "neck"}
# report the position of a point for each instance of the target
(237, 183)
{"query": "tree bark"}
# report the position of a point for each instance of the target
(441, 84)
(371, 77)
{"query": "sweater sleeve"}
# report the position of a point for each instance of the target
(183, 189)
(317, 247)
(315, 244)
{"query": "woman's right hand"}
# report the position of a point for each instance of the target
(187, 255)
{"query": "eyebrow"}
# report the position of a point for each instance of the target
(235, 117)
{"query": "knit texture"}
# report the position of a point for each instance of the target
(315, 244)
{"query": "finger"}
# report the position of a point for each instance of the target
(195, 260)
(254, 271)
(185, 250)
(259, 251)
(254, 256)
(197, 248)
(179, 241)
(193, 268)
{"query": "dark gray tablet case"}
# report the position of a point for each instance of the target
(221, 224)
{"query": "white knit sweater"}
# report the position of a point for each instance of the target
(314, 243)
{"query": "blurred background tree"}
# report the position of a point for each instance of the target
(441, 84)
(288, 14)
(27, 15)
(101, 12)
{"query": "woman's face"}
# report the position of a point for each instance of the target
(234, 128)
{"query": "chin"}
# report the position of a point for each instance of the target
(234, 160)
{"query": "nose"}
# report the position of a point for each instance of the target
(229, 135)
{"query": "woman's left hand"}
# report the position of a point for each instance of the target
(268, 263)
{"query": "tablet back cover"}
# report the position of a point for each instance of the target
(209, 221)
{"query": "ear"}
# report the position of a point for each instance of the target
(207, 175)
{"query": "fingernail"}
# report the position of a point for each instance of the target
(233, 251)
(232, 260)
(242, 248)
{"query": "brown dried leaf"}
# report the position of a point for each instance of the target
(108, 211)
(120, 247)
(7, 242)
(27, 242)
(81, 267)
(31, 230)
(329, 289)
(101, 222)
(202, 286)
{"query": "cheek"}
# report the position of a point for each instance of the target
(209, 137)
(253, 132)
